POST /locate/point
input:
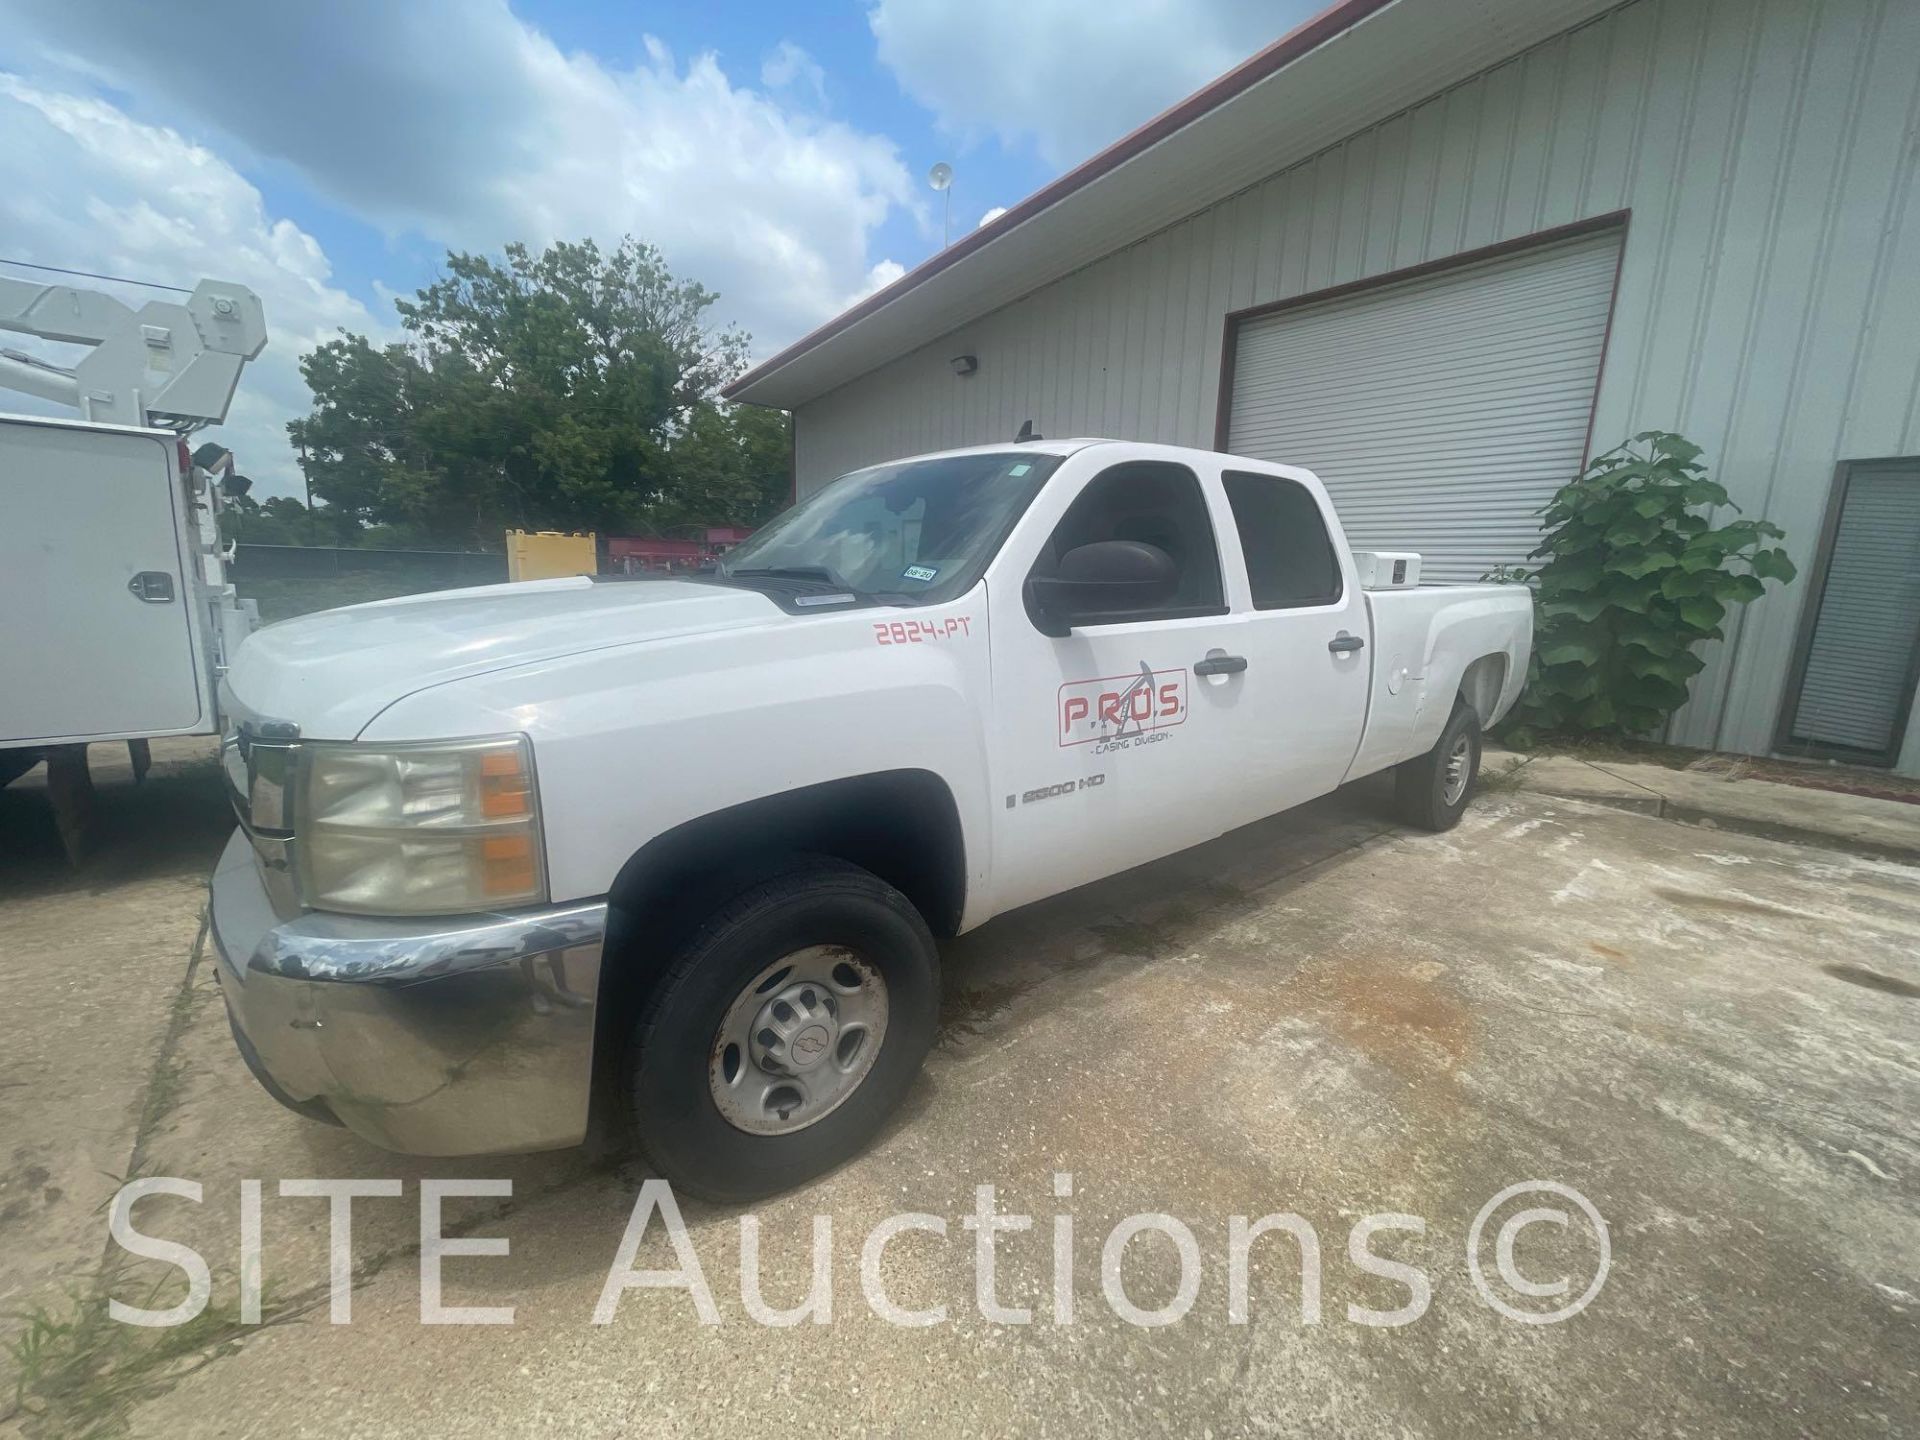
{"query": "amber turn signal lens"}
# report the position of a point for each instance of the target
(507, 865)
(506, 793)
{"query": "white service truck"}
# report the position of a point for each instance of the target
(120, 617)
(676, 852)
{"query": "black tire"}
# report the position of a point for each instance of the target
(812, 901)
(1420, 784)
(15, 763)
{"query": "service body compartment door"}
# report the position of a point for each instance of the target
(99, 638)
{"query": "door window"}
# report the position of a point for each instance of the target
(1157, 503)
(1290, 559)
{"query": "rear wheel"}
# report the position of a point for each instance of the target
(784, 1032)
(1432, 790)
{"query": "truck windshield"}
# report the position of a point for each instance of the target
(919, 532)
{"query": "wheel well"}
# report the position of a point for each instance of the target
(902, 825)
(1480, 687)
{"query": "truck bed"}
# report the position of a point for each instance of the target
(1421, 640)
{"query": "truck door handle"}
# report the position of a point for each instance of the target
(1343, 643)
(1218, 662)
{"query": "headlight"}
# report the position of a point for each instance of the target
(419, 829)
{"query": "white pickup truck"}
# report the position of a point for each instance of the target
(675, 853)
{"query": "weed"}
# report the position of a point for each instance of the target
(1507, 777)
(80, 1372)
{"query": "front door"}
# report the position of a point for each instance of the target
(1108, 750)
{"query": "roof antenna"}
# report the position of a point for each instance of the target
(1026, 434)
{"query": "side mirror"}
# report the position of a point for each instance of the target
(1106, 578)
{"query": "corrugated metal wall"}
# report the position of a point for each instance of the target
(1769, 305)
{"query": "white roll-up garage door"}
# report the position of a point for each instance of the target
(1443, 411)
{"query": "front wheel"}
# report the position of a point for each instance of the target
(1432, 790)
(784, 1032)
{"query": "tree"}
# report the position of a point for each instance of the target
(730, 466)
(278, 520)
(568, 390)
(1635, 577)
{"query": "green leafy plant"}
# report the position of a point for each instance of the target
(1635, 577)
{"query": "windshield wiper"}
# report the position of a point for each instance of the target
(794, 572)
(821, 575)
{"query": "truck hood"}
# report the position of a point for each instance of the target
(333, 672)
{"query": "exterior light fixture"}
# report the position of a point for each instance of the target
(964, 364)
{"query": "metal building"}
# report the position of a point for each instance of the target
(1441, 253)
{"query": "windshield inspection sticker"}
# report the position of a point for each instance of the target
(919, 572)
(1020, 469)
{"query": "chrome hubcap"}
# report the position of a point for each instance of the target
(798, 1040)
(1459, 767)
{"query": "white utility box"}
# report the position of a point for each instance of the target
(1387, 569)
(107, 613)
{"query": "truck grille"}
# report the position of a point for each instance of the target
(259, 772)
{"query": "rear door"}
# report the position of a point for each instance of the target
(98, 639)
(1303, 634)
(1107, 750)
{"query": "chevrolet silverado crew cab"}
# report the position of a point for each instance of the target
(676, 851)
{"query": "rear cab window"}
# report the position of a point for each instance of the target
(1290, 557)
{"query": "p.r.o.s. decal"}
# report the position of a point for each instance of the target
(914, 632)
(1116, 709)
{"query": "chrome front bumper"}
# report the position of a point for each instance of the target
(467, 1036)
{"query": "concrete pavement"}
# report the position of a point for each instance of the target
(1713, 1037)
(1720, 794)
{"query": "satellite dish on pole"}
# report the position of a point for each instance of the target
(940, 177)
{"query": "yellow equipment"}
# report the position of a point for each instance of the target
(547, 554)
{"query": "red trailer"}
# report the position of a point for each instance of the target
(633, 553)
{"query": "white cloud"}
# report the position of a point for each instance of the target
(456, 121)
(448, 120)
(992, 215)
(83, 186)
(790, 68)
(1067, 76)
(878, 278)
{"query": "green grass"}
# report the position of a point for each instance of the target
(284, 599)
(78, 1372)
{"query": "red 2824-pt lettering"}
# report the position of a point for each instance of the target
(914, 632)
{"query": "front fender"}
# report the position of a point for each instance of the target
(634, 741)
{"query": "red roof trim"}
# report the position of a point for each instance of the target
(1284, 51)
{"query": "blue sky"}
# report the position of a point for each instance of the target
(328, 155)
